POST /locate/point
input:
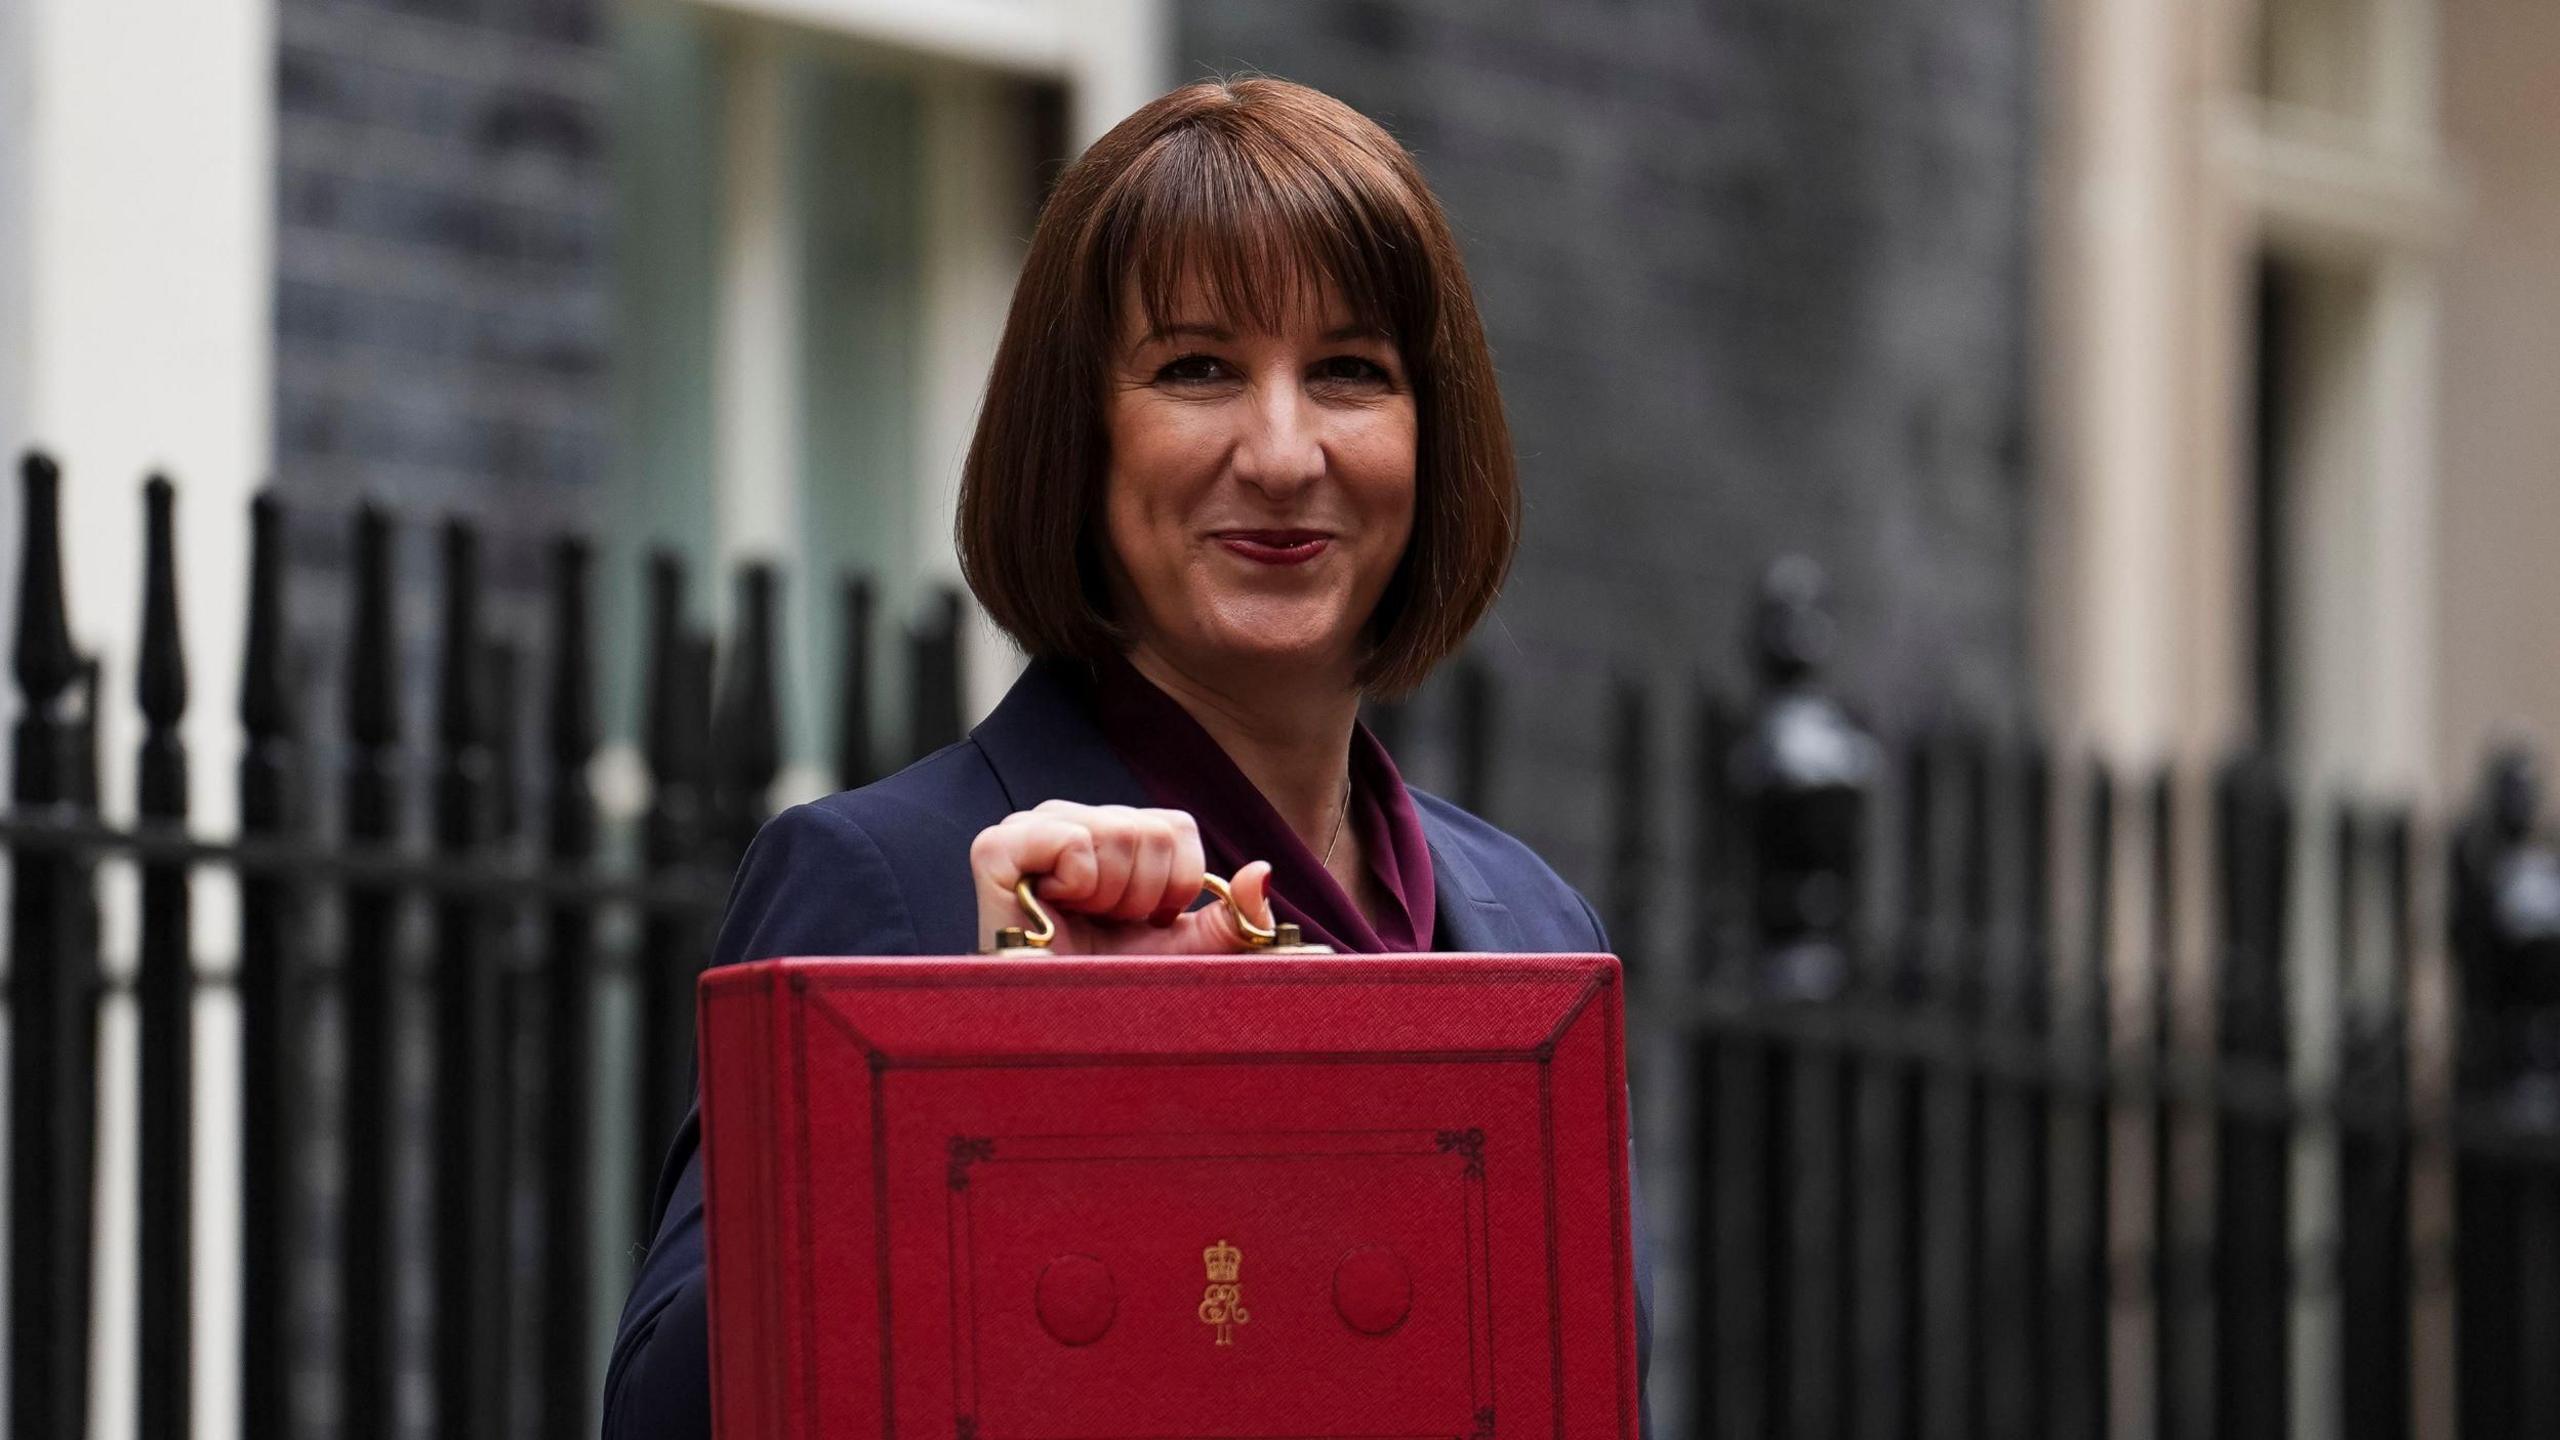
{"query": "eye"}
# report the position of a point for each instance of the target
(1193, 370)
(1354, 369)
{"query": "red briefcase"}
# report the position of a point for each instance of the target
(1070, 1199)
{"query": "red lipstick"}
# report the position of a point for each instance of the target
(1275, 547)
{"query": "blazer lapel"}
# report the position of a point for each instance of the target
(1042, 743)
(1470, 920)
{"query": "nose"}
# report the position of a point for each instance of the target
(1281, 451)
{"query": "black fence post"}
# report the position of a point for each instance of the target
(53, 981)
(166, 992)
(933, 676)
(269, 1033)
(1801, 779)
(2373, 1271)
(672, 837)
(1959, 1242)
(369, 974)
(469, 1193)
(2181, 1265)
(2506, 941)
(2082, 1042)
(747, 723)
(857, 754)
(2014, 1111)
(2252, 1245)
(568, 1376)
(1899, 1161)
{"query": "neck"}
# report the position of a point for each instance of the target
(1291, 738)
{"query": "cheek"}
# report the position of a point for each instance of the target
(1149, 485)
(1379, 474)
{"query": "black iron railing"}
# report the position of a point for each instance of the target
(1979, 1082)
(477, 949)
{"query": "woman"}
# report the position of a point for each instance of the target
(1241, 462)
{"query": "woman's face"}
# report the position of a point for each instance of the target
(1261, 484)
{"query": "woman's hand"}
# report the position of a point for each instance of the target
(1123, 880)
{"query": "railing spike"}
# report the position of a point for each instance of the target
(748, 714)
(934, 670)
(162, 679)
(373, 703)
(266, 690)
(570, 728)
(46, 663)
(855, 750)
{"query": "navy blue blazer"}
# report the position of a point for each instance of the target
(884, 870)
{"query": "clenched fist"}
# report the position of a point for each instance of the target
(1123, 878)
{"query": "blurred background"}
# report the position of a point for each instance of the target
(2162, 389)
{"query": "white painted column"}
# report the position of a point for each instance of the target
(757, 380)
(977, 222)
(1123, 50)
(2111, 646)
(756, 324)
(136, 312)
(17, 183)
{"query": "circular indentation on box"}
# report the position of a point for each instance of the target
(1076, 1299)
(1372, 1289)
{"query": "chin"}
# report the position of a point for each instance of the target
(1291, 637)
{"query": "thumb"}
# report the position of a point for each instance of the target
(1212, 929)
(1252, 889)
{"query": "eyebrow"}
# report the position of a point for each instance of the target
(1353, 331)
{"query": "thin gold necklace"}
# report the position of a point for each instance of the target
(1338, 817)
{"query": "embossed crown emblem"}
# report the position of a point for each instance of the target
(1222, 1260)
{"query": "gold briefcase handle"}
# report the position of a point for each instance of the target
(1014, 939)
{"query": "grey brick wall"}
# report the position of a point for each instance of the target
(443, 292)
(1755, 273)
(441, 288)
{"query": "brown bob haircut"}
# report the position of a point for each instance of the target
(1256, 186)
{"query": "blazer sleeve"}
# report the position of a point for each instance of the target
(1637, 1225)
(813, 883)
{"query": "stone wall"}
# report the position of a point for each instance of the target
(1755, 273)
(443, 293)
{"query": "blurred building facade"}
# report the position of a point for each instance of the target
(725, 277)
(2161, 371)
(2299, 278)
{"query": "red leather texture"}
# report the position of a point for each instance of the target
(1102, 1199)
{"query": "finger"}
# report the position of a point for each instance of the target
(1190, 867)
(1150, 870)
(1057, 851)
(1115, 854)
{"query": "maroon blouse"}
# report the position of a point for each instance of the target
(1182, 767)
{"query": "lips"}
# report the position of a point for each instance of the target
(1275, 547)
